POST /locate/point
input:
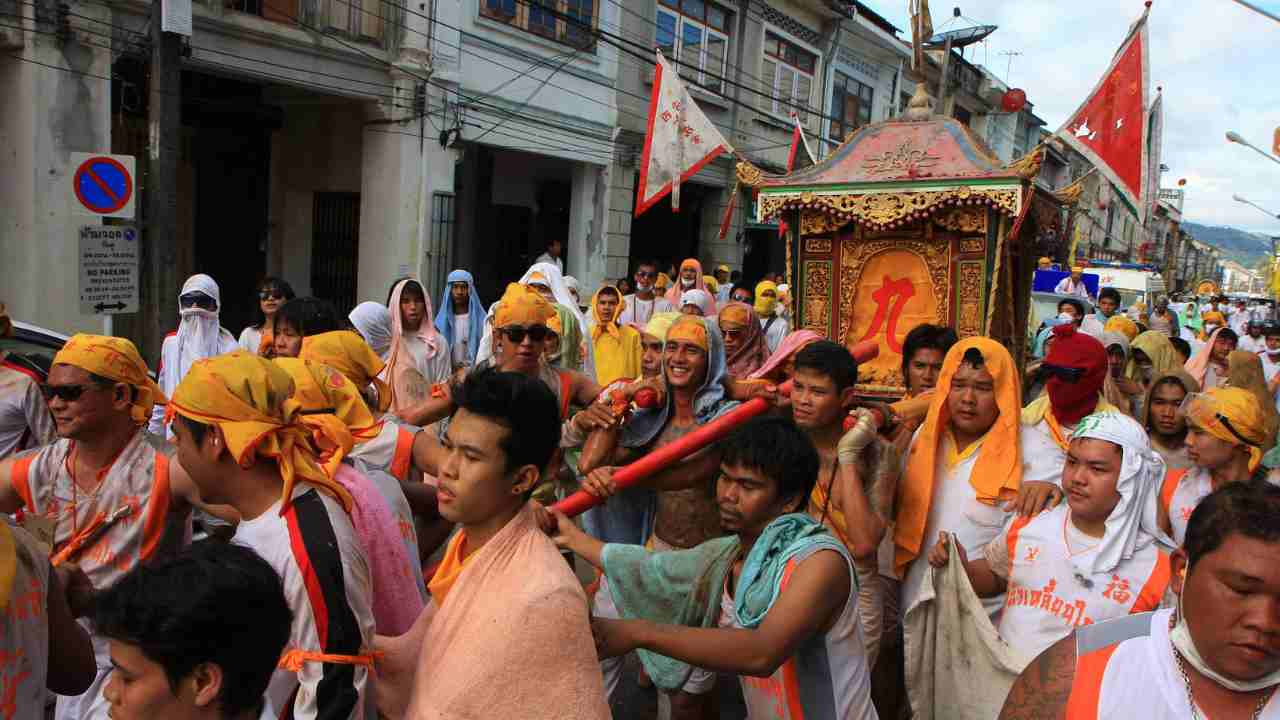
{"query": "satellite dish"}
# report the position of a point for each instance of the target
(962, 37)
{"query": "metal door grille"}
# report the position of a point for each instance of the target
(335, 248)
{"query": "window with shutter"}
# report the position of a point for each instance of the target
(695, 34)
(768, 84)
(790, 69)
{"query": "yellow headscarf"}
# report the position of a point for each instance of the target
(522, 305)
(659, 324)
(1123, 325)
(1156, 346)
(250, 399)
(1240, 408)
(1077, 268)
(691, 330)
(350, 355)
(332, 408)
(713, 285)
(1045, 263)
(1244, 371)
(662, 283)
(1214, 317)
(997, 474)
(115, 359)
(611, 327)
(763, 305)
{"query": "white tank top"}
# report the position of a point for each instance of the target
(1046, 600)
(1136, 678)
(826, 679)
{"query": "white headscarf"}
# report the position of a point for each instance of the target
(571, 282)
(373, 320)
(554, 280)
(199, 334)
(1132, 525)
(701, 298)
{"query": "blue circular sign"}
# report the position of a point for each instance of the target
(103, 185)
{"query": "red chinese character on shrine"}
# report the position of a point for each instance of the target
(1118, 590)
(898, 292)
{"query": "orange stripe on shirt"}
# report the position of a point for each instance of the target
(402, 458)
(20, 478)
(790, 681)
(157, 509)
(1153, 590)
(1171, 480)
(1014, 530)
(1086, 688)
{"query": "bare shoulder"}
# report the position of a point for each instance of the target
(1042, 690)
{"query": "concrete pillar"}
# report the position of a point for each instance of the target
(622, 190)
(714, 250)
(391, 203)
(588, 207)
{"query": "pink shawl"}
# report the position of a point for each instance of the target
(401, 370)
(1198, 365)
(791, 345)
(677, 289)
(512, 639)
(754, 350)
(396, 598)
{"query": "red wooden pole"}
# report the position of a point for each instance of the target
(669, 454)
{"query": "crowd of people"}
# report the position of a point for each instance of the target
(354, 516)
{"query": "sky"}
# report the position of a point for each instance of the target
(1215, 59)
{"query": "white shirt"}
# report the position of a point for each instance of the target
(546, 258)
(461, 338)
(168, 378)
(250, 339)
(638, 312)
(310, 546)
(25, 421)
(1042, 457)
(775, 333)
(1269, 369)
(1248, 343)
(1067, 286)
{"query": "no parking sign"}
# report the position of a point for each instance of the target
(103, 185)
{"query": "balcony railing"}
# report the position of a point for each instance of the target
(357, 19)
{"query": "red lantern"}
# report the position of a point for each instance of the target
(1013, 100)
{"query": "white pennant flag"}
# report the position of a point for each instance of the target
(680, 140)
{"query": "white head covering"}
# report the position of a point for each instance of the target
(199, 335)
(571, 283)
(1132, 525)
(701, 298)
(556, 281)
(373, 320)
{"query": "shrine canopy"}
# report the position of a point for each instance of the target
(890, 174)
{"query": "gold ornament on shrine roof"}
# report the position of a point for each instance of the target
(886, 210)
(902, 160)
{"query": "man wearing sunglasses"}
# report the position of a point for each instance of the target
(198, 336)
(644, 303)
(1073, 374)
(108, 489)
(1226, 429)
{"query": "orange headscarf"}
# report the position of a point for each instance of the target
(115, 359)
(250, 399)
(350, 355)
(332, 408)
(998, 470)
(522, 305)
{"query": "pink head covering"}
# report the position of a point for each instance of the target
(427, 332)
(1198, 366)
(677, 288)
(754, 350)
(791, 344)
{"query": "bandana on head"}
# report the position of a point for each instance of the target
(764, 305)
(753, 351)
(1045, 263)
(1244, 371)
(691, 330)
(659, 324)
(1240, 408)
(250, 400)
(1132, 524)
(475, 312)
(1077, 268)
(713, 285)
(373, 321)
(1156, 346)
(1123, 325)
(997, 472)
(332, 408)
(701, 299)
(662, 283)
(1072, 401)
(522, 305)
(115, 359)
(348, 354)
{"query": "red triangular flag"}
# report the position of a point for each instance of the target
(1110, 128)
(796, 139)
(679, 141)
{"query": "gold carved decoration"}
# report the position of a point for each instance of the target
(890, 210)
(817, 294)
(1070, 194)
(854, 254)
(813, 222)
(963, 219)
(969, 286)
(817, 245)
(973, 245)
(1028, 166)
(901, 161)
(749, 174)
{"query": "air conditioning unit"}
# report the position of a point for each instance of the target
(11, 36)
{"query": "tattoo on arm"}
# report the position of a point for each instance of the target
(1042, 690)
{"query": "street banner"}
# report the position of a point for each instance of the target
(679, 141)
(1110, 127)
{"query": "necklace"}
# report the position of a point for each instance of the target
(1191, 701)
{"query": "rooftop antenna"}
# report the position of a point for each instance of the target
(1009, 66)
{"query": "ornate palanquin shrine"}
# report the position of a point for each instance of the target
(910, 222)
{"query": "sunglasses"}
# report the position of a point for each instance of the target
(641, 273)
(1063, 373)
(200, 300)
(270, 295)
(67, 393)
(516, 333)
